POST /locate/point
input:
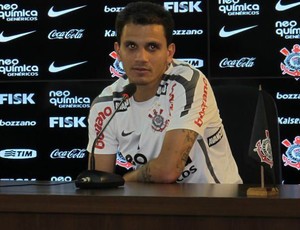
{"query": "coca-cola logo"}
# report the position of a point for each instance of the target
(71, 34)
(72, 154)
(244, 62)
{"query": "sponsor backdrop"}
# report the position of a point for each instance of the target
(57, 55)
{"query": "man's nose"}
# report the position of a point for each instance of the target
(142, 55)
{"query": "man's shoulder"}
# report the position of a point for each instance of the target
(107, 94)
(116, 86)
(184, 74)
(183, 69)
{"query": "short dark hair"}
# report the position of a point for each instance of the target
(145, 13)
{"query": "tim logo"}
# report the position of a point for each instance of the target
(18, 154)
(67, 122)
(198, 63)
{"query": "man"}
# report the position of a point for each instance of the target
(170, 130)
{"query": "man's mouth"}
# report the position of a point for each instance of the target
(140, 69)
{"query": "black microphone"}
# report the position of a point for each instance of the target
(99, 179)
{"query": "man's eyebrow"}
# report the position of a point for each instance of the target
(129, 41)
(156, 43)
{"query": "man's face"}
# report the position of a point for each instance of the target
(144, 53)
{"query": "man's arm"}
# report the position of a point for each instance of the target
(168, 166)
(104, 162)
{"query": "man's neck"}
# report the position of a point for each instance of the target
(145, 92)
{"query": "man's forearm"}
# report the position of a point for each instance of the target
(142, 174)
(170, 163)
(152, 172)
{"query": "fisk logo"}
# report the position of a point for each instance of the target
(183, 7)
(17, 98)
(67, 122)
(18, 153)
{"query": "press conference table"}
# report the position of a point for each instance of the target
(47, 205)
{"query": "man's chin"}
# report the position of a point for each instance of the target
(140, 83)
(139, 80)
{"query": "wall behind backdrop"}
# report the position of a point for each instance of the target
(57, 55)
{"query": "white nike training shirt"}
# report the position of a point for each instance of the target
(184, 100)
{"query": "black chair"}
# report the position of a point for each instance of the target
(237, 106)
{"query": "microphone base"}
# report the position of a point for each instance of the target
(92, 179)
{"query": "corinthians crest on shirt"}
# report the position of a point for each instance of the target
(292, 155)
(159, 122)
(291, 63)
(264, 150)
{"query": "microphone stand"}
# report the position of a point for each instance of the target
(92, 159)
(92, 179)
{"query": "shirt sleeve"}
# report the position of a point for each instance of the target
(98, 117)
(194, 106)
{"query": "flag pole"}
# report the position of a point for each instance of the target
(262, 176)
(262, 172)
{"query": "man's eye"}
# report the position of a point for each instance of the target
(131, 46)
(152, 47)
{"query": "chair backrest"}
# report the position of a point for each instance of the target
(237, 106)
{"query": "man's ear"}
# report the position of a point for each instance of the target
(171, 52)
(117, 50)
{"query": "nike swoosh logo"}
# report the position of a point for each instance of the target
(12, 37)
(225, 34)
(55, 69)
(52, 13)
(280, 7)
(126, 134)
